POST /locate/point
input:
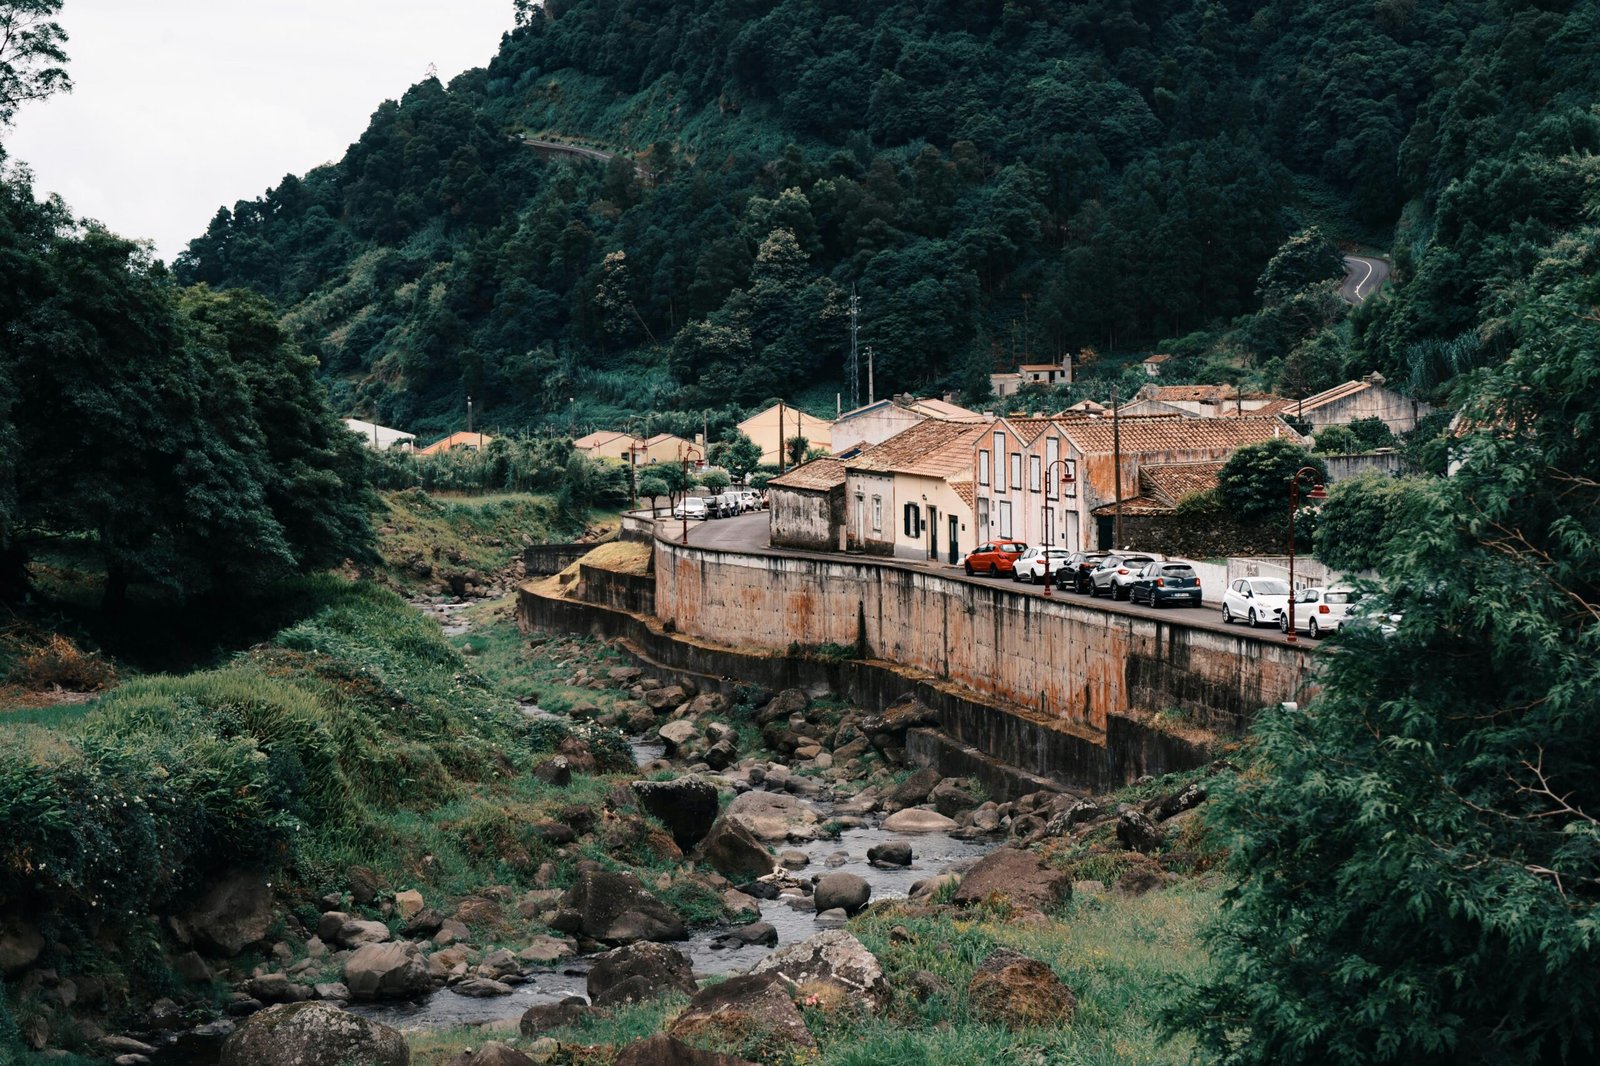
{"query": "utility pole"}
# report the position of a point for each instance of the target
(1116, 466)
(855, 352)
(469, 416)
(871, 391)
(783, 450)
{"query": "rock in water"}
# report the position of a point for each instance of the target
(387, 971)
(735, 852)
(771, 815)
(313, 1034)
(687, 806)
(833, 957)
(917, 820)
(639, 971)
(1013, 990)
(616, 908)
(894, 853)
(845, 891)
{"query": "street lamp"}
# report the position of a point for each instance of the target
(1067, 478)
(1318, 492)
(683, 457)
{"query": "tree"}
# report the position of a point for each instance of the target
(1362, 514)
(32, 56)
(1417, 847)
(736, 453)
(1307, 258)
(1254, 482)
(715, 481)
(652, 487)
(796, 449)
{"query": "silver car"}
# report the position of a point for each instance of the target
(1115, 573)
(1257, 600)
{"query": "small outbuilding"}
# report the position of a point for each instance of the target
(807, 506)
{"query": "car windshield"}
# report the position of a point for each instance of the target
(1342, 597)
(1270, 586)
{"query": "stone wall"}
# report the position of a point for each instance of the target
(806, 519)
(543, 560)
(1070, 663)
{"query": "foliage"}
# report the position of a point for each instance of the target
(1363, 514)
(1254, 482)
(1416, 847)
(1307, 258)
(32, 54)
(736, 453)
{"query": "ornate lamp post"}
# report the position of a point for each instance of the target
(1067, 479)
(684, 454)
(1318, 492)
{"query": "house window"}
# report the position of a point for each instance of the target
(1033, 473)
(1049, 525)
(1016, 470)
(1005, 518)
(1052, 454)
(983, 518)
(983, 466)
(1069, 480)
(999, 464)
(877, 514)
(913, 520)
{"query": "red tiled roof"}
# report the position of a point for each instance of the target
(819, 475)
(933, 448)
(968, 494)
(1171, 482)
(1159, 358)
(1164, 434)
(1338, 392)
(1142, 505)
(1192, 393)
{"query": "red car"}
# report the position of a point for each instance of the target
(994, 559)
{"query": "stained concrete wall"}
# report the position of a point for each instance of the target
(1072, 664)
(805, 519)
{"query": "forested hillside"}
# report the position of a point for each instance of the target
(990, 178)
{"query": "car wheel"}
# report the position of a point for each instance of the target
(994, 569)
(1313, 629)
(1252, 618)
(1227, 616)
(969, 570)
(1283, 623)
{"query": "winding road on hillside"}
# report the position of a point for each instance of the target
(1364, 276)
(749, 533)
(562, 148)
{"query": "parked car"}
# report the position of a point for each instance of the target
(995, 558)
(1166, 581)
(749, 500)
(1115, 573)
(1319, 611)
(1031, 565)
(1257, 600)
(1079, 566)
(691, 507)
(724, 504)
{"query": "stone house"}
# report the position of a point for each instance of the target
(806, 506)
(1355, 400)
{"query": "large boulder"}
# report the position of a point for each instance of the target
(772, 815)
(542, 1017)
(1190, 797)
(1019, 876)
(313, 1034)
(896, 853)
(918, 820)
(639, 971)
(663, 1050)
(387, 971)
(1013, 990)
(678, 735)
(1137, 832)
(735, 852)
(913, 790)
(786, 704)
(834, 957)
(615, 908)
(20, 944)
(686, 806)
(950, 799)
(751, 1012)
(494, 1053)
(234, 914)
(845, 891)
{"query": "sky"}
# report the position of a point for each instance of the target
(184, 106)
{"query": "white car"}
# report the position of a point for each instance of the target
(1031, 563)
(692, 507)
(749, 500)
(1320, 610)
(1257, 600)
(1114, 576)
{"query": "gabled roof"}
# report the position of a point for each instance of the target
(597, 438)
(1276, 406)
(933, 448)
(863, 409)
(1160, 357)
(1146, 407)
(1190, 393)
(458, 439)
(1138, 505)
(1026, 428)
(967, 492)
(1163, 434)
(1338, 392)
(1040, 367)
(819, 475)
(946, 410)
(1173, 481)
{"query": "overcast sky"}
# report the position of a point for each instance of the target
(183, 106)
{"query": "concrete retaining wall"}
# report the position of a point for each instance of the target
(1067, 663)
(542, 560)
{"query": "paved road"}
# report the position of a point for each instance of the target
(569, 149)
(749, 533)
(1365, 276)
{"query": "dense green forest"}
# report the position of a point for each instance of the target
(989, 178)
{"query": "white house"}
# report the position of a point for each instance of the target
(380, 438)
(911, 496)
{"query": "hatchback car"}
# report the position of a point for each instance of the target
(1164, 582)
(995, 558)
(1114, 575)
(1257, 600)
(1080, 566)
(1320, 610)
(1031, 565)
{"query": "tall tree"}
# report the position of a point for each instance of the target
(32, 54)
